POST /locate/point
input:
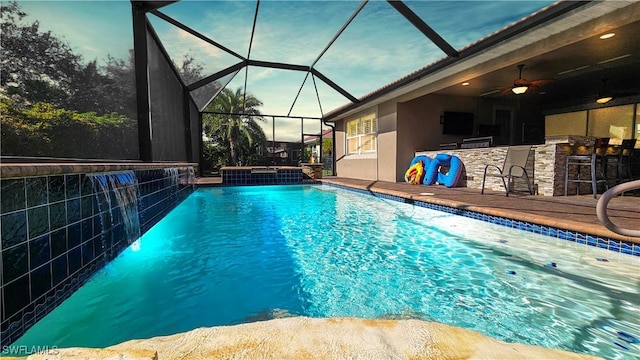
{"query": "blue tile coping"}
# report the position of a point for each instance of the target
(617, 246)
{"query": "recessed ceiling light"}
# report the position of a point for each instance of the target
(490, 92)
(466, 83)
(572, 70)
(614, 59)
(607, 36)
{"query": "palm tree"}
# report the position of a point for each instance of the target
(236, 124)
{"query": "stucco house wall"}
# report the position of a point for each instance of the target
(419, 125)
(410, 126)
(388, 166)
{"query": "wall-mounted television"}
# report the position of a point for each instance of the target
(457, 123)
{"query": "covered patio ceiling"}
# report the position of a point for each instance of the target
(576, 72)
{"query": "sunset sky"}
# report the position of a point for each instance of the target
(378, 47)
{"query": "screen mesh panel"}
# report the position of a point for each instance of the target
(203, 96)
(195, 132)
(168, 133)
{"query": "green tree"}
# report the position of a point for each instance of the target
(46, 130)
(327, 147)
(88, 90)
(240, 134)
(121, 90)
(190, 71)
(52, 100)
(36, 67)
(34, 64)
(106, 89)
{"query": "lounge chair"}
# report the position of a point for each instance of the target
(513, 167)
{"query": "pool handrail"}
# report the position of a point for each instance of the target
(601, 207)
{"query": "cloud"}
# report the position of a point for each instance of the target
(464, 22)
(179, 43)
(92, 29)
(297, 31)
(378, 47)
(259, 74)
(226, 22)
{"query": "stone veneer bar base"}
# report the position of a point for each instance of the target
(545, 165)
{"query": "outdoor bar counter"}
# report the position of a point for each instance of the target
(545, 166)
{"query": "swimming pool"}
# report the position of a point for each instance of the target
(236, 254)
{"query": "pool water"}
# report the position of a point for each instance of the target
(238, 254)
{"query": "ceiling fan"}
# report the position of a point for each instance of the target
(520, 85)
(605, 95)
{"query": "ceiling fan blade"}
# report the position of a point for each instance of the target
(506, 91)
(625, 93)
(520, 82)
(539, 83)
(491, 92)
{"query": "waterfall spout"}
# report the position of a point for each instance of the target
(117, 198)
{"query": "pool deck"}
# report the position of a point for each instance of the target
(574, 213)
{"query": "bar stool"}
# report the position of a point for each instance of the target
(598, 153)
(609, 158)
(624, 161)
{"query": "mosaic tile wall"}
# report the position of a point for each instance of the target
(580, 238)
(257, 177)
(52, 237)
(159, 193)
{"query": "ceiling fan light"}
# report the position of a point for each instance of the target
(604, 99)
(519, 89)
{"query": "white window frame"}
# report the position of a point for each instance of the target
(362, 132)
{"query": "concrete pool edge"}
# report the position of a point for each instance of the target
(321, 338)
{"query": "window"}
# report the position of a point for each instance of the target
(361, 134)
(573, 123)
(614, 122)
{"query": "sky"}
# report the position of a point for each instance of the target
(378, 47)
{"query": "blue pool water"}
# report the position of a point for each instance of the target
(238, 254)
